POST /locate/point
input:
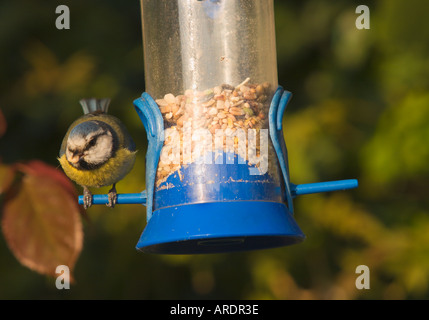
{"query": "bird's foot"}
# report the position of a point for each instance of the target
(87, 198)
(112, 196)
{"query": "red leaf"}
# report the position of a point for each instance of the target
(41, 169)
(41, 223)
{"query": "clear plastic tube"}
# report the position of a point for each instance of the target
(211, 67)
(197, 45)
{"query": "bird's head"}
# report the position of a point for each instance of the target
(90, 144)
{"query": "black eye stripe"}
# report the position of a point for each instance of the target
(93, 140)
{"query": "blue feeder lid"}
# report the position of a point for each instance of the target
(219, 227)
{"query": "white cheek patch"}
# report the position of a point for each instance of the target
(101, 151)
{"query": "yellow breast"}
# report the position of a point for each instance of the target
(109, 173)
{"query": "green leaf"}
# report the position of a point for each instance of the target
(41, 224)
(399, 148)
(7, 174)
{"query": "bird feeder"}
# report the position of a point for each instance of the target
(217, 176)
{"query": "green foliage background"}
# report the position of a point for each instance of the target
(360, 110)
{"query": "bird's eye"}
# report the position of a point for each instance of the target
(92, 143)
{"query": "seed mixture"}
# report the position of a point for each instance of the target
(215, 120)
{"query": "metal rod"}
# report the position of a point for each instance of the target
(296, 190)
(309, 188)
(124, 198)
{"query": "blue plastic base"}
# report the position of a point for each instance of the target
(219, 227)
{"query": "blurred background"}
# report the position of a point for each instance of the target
(360, 110)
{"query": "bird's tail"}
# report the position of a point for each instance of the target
(91, 105)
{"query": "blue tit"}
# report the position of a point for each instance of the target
(97, 150)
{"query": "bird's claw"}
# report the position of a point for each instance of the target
(87, 198)
(112, 196)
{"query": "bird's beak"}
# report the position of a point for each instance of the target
(74, 159)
